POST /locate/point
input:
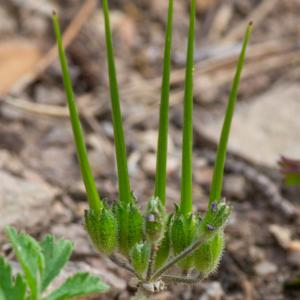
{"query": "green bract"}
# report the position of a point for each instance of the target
(149, 244)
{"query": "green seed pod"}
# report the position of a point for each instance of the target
(102, 229)
(121, 214)
(135, 226)
(214, 219)
(155, 217)
(183, 231)
(208, 256)
(163, 250)
(139, 256)
(130, 226)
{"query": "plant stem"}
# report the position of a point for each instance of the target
(189, 250)
(151, 261)
(94, 200)
(217, 181)
(179, 279)
(187, 138)
(123, 264)
(162, 143)
(123, 177)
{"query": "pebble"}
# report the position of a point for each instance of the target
(214, 291)
(265, 268)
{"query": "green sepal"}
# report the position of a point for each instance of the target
(102, 229)
(130, 225)
(155, 217)
(183, 231)
(208, 255)
(140, 256)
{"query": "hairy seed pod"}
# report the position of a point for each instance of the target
(135, 226)
(102, 229)
(163, 250)
(183, 229)
(130, 226)
(208, 256)
(155, 217)
(215, 219)
(121, 214)
(139, 256)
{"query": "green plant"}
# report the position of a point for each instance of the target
(148, 245)
(290, 168)
(41, 263)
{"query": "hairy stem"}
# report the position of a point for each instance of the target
(189, 250)
(124, 264)
(179, 279)
(151, 260)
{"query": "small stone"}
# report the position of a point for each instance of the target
(256, 254)
(281, 234)
(265, 268)
(214, 291)
(149, 164)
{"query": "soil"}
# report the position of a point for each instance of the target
(262, 239)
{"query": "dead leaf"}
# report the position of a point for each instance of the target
(16, 59)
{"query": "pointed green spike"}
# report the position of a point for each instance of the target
(162, 143)
(187, 139)
(217, 181)
(124, 184)
(95, 202)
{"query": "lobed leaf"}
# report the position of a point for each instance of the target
(162, 143)
(86, 172)
(217, 181)
(187, 138)
(123, 177)
(56, 254)
(29, 255)
(11, 288)
(80, 284)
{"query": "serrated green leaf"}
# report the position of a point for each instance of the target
(186, 203)
(11, 288)
(56, 254)
(80, 284)
(123, 177)
(86, 172)
(217, 181)
(30, 257)
(162, 143)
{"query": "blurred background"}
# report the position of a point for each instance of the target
(40, 186)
